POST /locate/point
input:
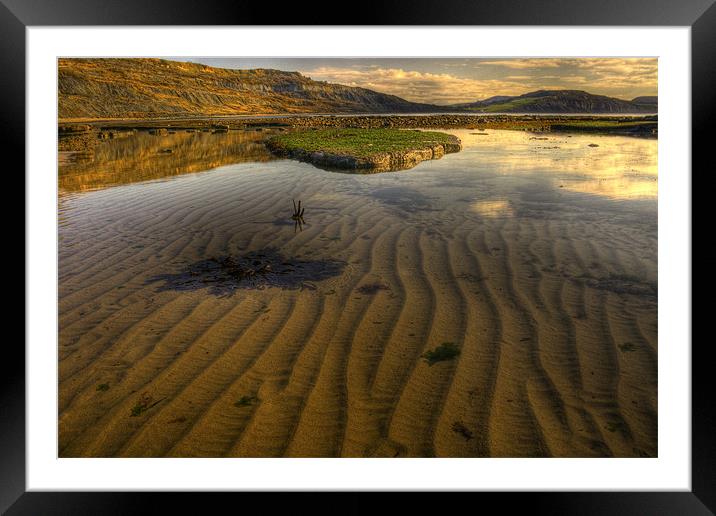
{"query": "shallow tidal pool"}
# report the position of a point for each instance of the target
(197, 318)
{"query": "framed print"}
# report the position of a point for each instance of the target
(443, 253)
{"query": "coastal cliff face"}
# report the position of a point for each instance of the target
(147, 88)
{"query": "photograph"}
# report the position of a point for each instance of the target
(357, 257)
(318, 258)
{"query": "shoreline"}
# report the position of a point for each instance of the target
(630, 125)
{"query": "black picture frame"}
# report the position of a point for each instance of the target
(700, 15)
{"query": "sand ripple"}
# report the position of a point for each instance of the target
(163, 353)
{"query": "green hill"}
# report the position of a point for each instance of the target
(560, 101)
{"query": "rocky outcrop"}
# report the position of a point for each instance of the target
(629, 125)
(64, 130)
(379, 162)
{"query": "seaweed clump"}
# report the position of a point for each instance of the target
(223, 275)
(445, 351)
(372, 288)
(245, 401)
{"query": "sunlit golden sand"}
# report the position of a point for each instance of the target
(540, 264)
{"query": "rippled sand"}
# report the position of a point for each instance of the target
(540, 263)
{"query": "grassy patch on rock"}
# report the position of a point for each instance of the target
(358, 148)
(362, 143)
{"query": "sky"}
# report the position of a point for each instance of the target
(454, 80)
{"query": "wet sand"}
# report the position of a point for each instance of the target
(539, 263)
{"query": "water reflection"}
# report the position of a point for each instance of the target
(493, 209)
(611, 167)
(617, 167)
(144, 157)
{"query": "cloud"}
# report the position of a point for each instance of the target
(522, 64)
(619, 77)
(432, 88)
(626, 64)
(610, 76)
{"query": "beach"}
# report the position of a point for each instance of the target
(534, 254)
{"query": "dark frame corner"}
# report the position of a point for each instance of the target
(700, 15)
